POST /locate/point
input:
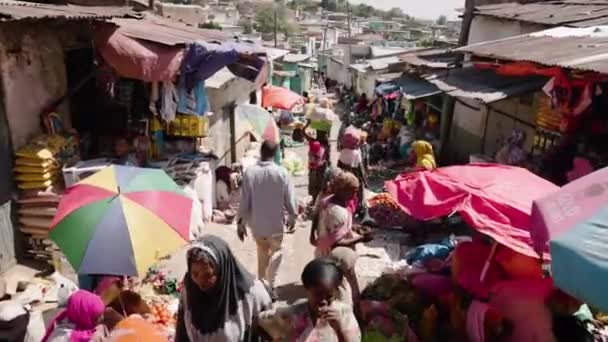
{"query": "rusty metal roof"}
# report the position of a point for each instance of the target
(165, 31)
(484, 85)
(577, 13)
(20, 10)
(569, 47)
(430, 58)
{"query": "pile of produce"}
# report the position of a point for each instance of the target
(161, 316)
(387, 212)
(161, 283)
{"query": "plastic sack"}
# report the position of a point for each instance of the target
(351, 138)
(294, 164)
(323, 114)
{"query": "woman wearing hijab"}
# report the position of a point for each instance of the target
(220, 299)
(423, 151)
(79, 322)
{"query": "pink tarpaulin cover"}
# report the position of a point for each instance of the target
(138, 59)
(494, 199)
(280, 98)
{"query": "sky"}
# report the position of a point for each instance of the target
(425, 9)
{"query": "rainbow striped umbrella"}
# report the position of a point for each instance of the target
(261, 121)
(121, 220)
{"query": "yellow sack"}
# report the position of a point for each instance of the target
(33, 169)
(35, 177)
(42, 147)
(40, 163)
(34, 185)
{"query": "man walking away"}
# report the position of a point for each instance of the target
(265, 192)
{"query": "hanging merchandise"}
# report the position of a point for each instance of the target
(566, 97)
(408, 109)
(193, 101)
(169, 101)
(154, 97)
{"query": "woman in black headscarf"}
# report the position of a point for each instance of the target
(220, 299)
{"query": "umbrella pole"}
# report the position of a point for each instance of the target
(486, 266)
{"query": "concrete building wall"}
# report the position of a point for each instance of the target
(488, 28)
(32, 75)
(192, 15)
(236, 90)
(478, 128)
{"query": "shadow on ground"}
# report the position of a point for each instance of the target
(291, 292)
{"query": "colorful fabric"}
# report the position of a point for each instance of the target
(424, 155)
(294, 324)
(335, 224)
(120, 220)
(192, 101)
(523, 303)
(280, 98)
(468, 262)
(316, 155)
(262, 123)
(82, 312)
(202, 60)
(225, 312)
(475, 321)
(494, 199)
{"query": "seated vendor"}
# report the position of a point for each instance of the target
(123, 154)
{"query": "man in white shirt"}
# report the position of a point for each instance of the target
(266, 190)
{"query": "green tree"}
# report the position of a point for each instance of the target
(363, 11)
(329, 5)
(442, 20)
(210, 25)
(264, 19)
(395, 12)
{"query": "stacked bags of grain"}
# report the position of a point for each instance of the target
(38, 176)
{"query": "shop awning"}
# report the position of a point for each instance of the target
(484, 85)
(414, 87)
(152, 50)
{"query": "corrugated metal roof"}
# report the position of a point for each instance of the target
(580, 13)
(168, 32)
(433, 58)
(20, 10)
(295, 58)
(484, 85)
(576, 48)
(414, 87)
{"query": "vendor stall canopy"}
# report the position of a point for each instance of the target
(414, 87)
(484, 85)
(568, 47)
(21, 10)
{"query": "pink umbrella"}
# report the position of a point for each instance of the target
(280, 98)
(494, 199)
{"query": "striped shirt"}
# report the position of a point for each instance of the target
(266, 190)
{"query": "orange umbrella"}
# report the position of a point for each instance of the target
(280, 98)
(136, 329)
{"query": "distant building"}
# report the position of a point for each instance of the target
(192, 15)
